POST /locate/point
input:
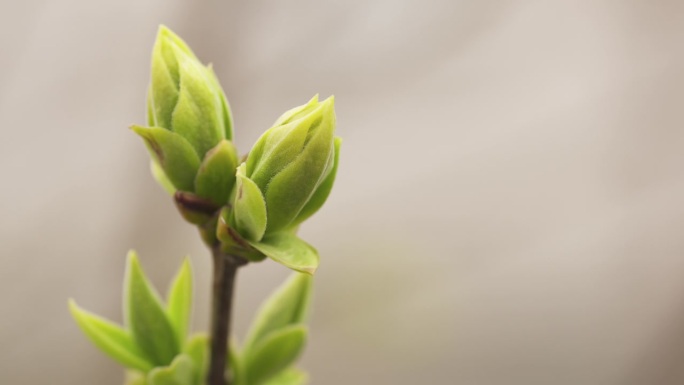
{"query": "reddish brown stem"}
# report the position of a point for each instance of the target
(225, 269)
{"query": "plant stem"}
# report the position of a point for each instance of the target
(225, 269)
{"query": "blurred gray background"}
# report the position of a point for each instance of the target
(508, 208)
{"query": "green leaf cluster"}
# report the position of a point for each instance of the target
(154, 346)
(286, 178)
(251, 208)
(277, 337)
(189, 123)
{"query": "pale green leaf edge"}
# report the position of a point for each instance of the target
(179, 301)
(110, 338)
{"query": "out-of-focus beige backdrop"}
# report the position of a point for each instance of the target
(508, 208)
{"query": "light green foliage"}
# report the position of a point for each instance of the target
(249, 207)
(173, 153)
(146, 317)
(197, 115)
(185, 96)
(112, 339)
(237, 365)
(322, 192)
(180, 372)
(287, 177)
(215, 179)
(189, 122)
(161, 354)
(135, 378)
(227, 116)
(291, 160)
(278, 333)
(197, 349)
(291, 376)
(179, 301)
(279, 146)
(289, 250)
(154, 334)
(161, 177)
(274, 353)
(288, 305)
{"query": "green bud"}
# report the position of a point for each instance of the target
(323, 191)
(190, 124)
(216, 175)
(231, 241)
(289, 164)
(249, 207)
(185, 96)
(174, 154)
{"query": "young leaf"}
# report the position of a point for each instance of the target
(197, 349)
(322, 192)
(161, 178)
(216, 176)
(291, 188)
(198, 114)
(297, 112)
(291, 376)
(146, 317)
(249, 207)
(180, 372)
(289, 250)
(227, 115)
(237, 371)
(274, 353)
(179, 303)
(112, 339)
(287, 305)
(174, 154)
(135, 378)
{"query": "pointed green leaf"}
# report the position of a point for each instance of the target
(236, 366)
(180, 372)
(275, 149)
(274, 353)
(249, 207)
(151, 118)
(174, 154)
(322, 191)
(198, 114)
(112, 339)
(216, 175)
(197, 349)
(163, 94)
(146, 317)
(289, 250)
(297, 112)
(227, 115)
(179, 304)
(287, 305)
(290, 376)
(166, 34)
(293, 186)
(161, 178)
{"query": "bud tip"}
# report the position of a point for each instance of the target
(132, 257)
